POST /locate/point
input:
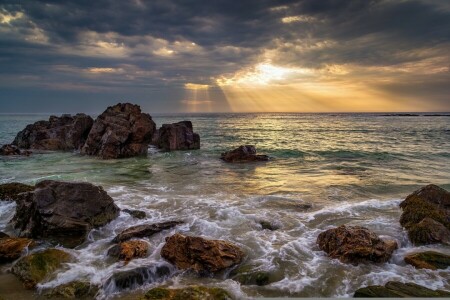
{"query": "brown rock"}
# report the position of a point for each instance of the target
(426, 215)
(145, 230)
(9, 149)
(11, 191)
(355, 244)
(245, 153)
(120, 131)
(199, 254)
(12, 248)
(63, 212)
(128, 250)
(58, 133)
(177, 136)
(428, 260)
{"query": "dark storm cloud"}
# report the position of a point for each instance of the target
(56, 45)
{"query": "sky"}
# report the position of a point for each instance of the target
(225, 56)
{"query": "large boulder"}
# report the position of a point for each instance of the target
(36, 267)
(428, 260)
(120, 131)
(128, 250)
(63, 212)
(245, 153)
(355, 244)
(177, 136)
(58, 133)
(426, 215)
(394, 289)
(10, 191)
(10, 149)
(144, 230)
(12, 248)
(187, 293)
(199, 254)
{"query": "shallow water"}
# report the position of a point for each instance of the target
(352, 169)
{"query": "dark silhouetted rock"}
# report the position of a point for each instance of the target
(138, 214)
(199, 254)
(426, 215)
(72, 290)
(394, 289)
(245, 153)
(177, 136)
(34, 268)
(187, 293)
(3, 235)
(128, 250)
(11, 191)
(10, 149)
(268, 225)
(145, 230)
(428, 260)
(58, 133)
(120, 131)
(131, 279)
(355, 244)
(12, 248)
(63, 212)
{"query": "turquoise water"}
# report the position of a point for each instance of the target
(352, 168)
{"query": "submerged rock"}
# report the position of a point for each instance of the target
(10, 149)
(11, 191)
(63, 212)
(58, 133)
(128, 250)
(72, 290)
(177, 136)
(253, 278)
(187, 293)
(245, 153)
(134, 278)
(355, 244)
(268, 225)
(145, 230)
(428, 260)
(12, 248)
(138, 214)
(426, 215)
(34, 268)
(394, 289)
(120, 131)
(199, 254)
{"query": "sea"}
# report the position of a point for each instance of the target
(325, 170)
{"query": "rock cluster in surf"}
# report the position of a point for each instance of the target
(245, 153)
(177, 136)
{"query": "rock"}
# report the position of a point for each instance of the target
(134, 278)
(10, 149)
(177, 136)
(394, 289)
(72, 290)
(253, 278)
(120, 131)
(58, 133)
(428, 260)
(245, 153)
(63, 212)
(3, 235)
(128, 250)
(268, 225)
(34, 268)
(282, 203)
(138, 214)
(11, 191)
(145, 230)
(355, 244)
(199, 254)
(187, 293)
(12, 248)
(426, 215)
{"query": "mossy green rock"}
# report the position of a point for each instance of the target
(187, 293)
(34, 268)
(72, 290)
(255, 278)
(428, 260)
(399, 290)
(11, 191)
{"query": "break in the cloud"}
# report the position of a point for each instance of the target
(255, 55)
